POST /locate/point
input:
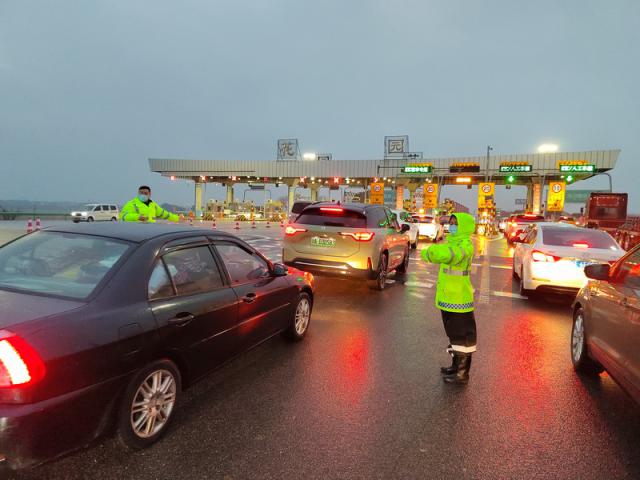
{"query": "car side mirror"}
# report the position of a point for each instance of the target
(279, 270)
(405, 228)
(598, 272)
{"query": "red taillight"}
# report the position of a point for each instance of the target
(538, 256)
(358, 236)
(581, 245)
(332, 209)
(291, 231)
(19, 363)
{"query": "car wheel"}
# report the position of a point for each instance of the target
(414, 245)
(114, 219)
(300, 318)
(404, 266)
(149, 404)
(89, 219)
(580, 358)
(513, 270)
(380, 281)
(76, 221)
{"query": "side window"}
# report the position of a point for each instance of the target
(159, 283)
(113, 208)
(193, 270)
(393, 220)
(242, 265)
(377, 218)
(531, 238)
(97, 208)
(629, 271)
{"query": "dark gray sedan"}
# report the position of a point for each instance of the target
(606, 322)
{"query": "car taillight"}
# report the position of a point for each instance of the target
(291, 231)
(19, 363)
(358, 236)
(513, 224)
(538, 256)
(580, 245)
(332, 209)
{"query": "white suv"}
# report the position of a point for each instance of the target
(96, 212)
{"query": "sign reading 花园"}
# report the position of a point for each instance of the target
(555, 196)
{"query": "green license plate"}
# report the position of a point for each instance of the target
(323, 242)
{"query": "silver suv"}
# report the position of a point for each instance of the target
(350, 240)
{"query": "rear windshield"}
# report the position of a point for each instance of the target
(570, 237)
(334, 217)
(299, 206)
(528, 218)
(62, 264)
(444, 219)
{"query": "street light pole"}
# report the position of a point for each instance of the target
(486, 169)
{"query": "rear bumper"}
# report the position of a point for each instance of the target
(33, 433)
(329, 269)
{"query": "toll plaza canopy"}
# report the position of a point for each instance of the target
(533, 170)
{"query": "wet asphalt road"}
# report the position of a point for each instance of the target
(362, 397)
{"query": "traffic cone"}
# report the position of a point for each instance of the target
(237, 226)
(268, 224)
(37, 223)
(281, 223)
(213, 225)
(191, 221)
(253, 224)
(29, 226)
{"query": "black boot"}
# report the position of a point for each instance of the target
(452, 369)
(461, 376)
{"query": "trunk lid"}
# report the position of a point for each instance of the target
(16, 308)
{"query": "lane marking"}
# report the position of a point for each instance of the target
(506, 267)
(419, 284)
(509, 295)
(417, 295)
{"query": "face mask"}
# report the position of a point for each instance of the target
(453, 229)
(143, 198)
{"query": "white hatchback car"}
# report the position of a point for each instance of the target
(552, 256)
(96, 212)
(428, 227)
(404, 218)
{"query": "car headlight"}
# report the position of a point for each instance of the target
(84, 214)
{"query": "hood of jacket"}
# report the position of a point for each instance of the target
(466, 227)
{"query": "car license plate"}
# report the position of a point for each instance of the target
(582, 263)
(323, 242)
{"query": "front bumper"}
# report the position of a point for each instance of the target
(33, 433)
(329, 268)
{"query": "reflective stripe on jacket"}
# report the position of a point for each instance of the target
(454, 292)
(134, 208)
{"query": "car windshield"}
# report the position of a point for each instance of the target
(61, 264)
(332, 217)
(299, 206)
(423, 218)
(444, 219)
(578, 238)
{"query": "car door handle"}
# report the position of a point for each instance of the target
(181, 319)
(249, 297)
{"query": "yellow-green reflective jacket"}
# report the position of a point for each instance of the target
(454, 292)
(134, 208)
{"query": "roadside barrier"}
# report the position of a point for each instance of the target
(37, 223)
(29, 225)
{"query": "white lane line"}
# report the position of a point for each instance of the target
(476, 264)
(485, 281)
(509, 295)
(505, 267)
(417, 295)
(419, 284)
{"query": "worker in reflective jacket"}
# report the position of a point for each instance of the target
(454, 294)
(143, 209)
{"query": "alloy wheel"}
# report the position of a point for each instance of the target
(577, 337)
(303, 314)
(153, 403)
(382, 275)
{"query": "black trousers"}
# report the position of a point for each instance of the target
(461, 330)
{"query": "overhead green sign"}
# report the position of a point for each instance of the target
(515, 168)
(589, 168)
(579, 196)
(419, 169)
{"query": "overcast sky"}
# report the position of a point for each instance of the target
(89, 90)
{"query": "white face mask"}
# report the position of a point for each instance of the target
(143, 198)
